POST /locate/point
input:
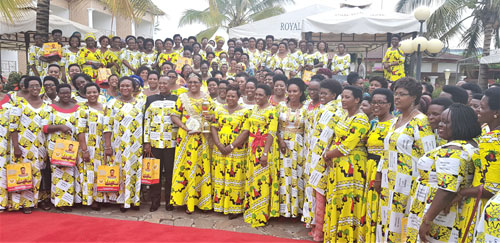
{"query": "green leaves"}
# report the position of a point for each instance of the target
(12, 10)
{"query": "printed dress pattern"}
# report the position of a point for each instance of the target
(229, 170)
(344, 220)
(191, 180)
(64, 189)
(403, 147)
(486, 172)
(262, 183)
(446, 168)
(28, 122)
(291, 130)
(124, 121)
(6, 107)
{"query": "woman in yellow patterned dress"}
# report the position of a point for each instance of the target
(149, 56)
(486, 166)
(394, 61)
(382, 104)
(322, 137)
(230, 155)
(28, 121)
(282, 59)
(130, 57)
(62, 125)
(6, 107)
(191, 180)
(346, 159)
(312, 107)
(409, 138)
(443, 172)
(123, 133)
(90, 57)
(70, 56)
(341, 62)
(169, 54)
(90, 136)
(291, 143)
(321, 55)
(112, 56)
(262, 184)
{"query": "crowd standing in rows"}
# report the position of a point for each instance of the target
(288, 131)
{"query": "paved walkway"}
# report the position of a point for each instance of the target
(282, 227)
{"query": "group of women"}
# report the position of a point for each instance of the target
(401, 167)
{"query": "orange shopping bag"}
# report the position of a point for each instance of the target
(150, 171)
(108, 178)
(19, 177)
(65, 153)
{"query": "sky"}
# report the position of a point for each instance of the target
(174, 10)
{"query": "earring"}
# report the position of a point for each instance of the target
(495, 116)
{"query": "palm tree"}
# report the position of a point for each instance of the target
(14, 9)
(131, 9)
(449, 20)
(231, 13)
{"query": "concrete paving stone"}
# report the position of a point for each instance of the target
(204, 223)
(184, 222)
(167, 221)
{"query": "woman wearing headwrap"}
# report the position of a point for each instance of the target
(90, 57)
(220, 43)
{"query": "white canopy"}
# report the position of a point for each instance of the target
(360, 21)
(287, 25)
(28, 23)
(494, 57)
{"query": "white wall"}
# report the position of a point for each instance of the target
(9, 62)
(144, 28)
(102, 21)
(59, 11)
(427, 67)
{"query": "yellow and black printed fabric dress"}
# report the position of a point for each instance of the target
(344, 219)
(486, 173)
(229, 170)
(449, 168)
(403, 146)
(291, 130)
(6, 107)
(124, 121)
(29, 122)
(91, 123)
(191, 179)
(262, 184)
(64, 189)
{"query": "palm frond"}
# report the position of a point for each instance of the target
(471, 38)
(261, 5)
(406, 6)
(11, 10)
(269, 12)
(445, 17)
(207, 33)
(192, 16)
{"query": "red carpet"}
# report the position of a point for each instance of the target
(56, 227)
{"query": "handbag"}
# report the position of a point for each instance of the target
(108, 178)
(65, 153)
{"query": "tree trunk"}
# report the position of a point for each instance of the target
(42, 16)
(483, 68)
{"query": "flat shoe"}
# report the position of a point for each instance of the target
(27, 210)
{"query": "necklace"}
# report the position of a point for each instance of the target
(402, 121)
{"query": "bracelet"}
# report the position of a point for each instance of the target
(85, 151)
(231, 146)
(107, 147)
(265, 154)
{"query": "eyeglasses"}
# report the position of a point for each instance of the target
(193, 83)
(400, 94)
(49, 85)
(34, 87)
(378, 103)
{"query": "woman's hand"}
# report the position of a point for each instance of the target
(283, 147)
(377, 184)
(108, 151)
(263, 160)
(328, 158)
(147, 149)
(18, 152)
(425, 227)
(64, 129)
(86, 156)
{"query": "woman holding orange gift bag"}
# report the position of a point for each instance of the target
(90, 136)
(62, 125)
(27, 120)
